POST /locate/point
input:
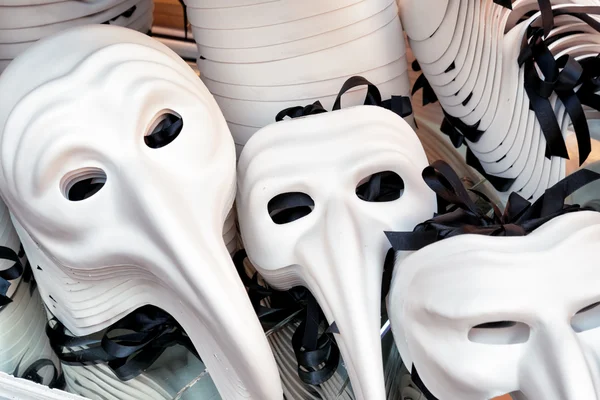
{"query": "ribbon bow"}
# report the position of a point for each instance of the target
(460, 215)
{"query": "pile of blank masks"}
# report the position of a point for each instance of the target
(136, 213)
(484, 64)
(23, 22)
(24, 348)
(258, 58)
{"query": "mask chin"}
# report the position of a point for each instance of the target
(307, 218)
(511, 333)
(122, 207)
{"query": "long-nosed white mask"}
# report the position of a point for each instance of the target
(481, 316)
(118, 166)
(303, 223)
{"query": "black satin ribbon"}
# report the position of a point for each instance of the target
(14, 272)
(457, 130)
(282, 304)
(32, 373)
(429, 95)
(380, 187)
(171, 126)
(545, 7)
(400, 105)
(299, 111)
(127, 14)
(150, 332)
(317, 355)
(460, 215)
(591, 82)
(561, 76)
(500, 184)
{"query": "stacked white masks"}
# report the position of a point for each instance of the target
(337, 247)
(123, 216)
(481, 316)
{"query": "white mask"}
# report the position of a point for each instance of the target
(338, 249)
(78, 105)
(531, 292)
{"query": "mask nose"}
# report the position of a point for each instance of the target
(345, 278)
(208, 299)
(557, 368)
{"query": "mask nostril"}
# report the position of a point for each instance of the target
(165, 128)
(287, 207)
(587, 318)
(83, 183)
(500, 332)
(380, 187)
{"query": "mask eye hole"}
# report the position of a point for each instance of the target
(287, 207)
(165, 128)
(380, 187)
(500, 332)
(587, 318)
(83, 184)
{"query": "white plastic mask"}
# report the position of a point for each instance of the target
(77, 106)
(481, 316)
(337, 250)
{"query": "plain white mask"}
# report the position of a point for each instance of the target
(338, 249)
(153, 233)
(481, 316)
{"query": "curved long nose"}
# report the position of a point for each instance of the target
(210, 301)
(557, 368)
(345, 277)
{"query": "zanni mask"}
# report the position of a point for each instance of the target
(119, 171)
(303, 223)
(481, 316)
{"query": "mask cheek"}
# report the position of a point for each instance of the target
(589, 341)
(453, 366)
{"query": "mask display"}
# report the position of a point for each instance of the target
(119, 171)
(314, 197)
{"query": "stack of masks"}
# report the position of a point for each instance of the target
(23, 22)
(258, 57)
(119, 172)
(24, 348)
(507, 303)
(513, 83)
(314, 197)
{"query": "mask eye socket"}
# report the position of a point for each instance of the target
(500, 332)
(587, 318)
(380, 187)
(166, 127)
(288, 207)
(83, 184)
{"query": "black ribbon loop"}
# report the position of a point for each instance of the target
(14, 272)
(299, 111)
(127, 354)
(400, 105)
(317, 355)
(32, 373)
(460, 215)
(545, 7)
